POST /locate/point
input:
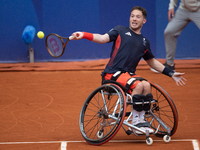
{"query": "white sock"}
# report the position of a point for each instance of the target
(141, 115)
(136, 116)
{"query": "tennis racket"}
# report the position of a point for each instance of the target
(56, 45)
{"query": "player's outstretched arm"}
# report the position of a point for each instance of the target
(176, 76)
(97, 38)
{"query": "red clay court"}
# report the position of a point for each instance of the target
(40, 104)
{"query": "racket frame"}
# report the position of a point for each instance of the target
(62, 41)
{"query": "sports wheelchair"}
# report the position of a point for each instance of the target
(106, 110)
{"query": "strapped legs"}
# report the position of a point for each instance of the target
(142, 97)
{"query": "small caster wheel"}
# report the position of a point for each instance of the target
(149, 141)
(99, 134)
(167, 138)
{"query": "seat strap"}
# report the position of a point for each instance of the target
(130, 81)
(116, 75)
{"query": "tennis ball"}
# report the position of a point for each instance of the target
(40, 34)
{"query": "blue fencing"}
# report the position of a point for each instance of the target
(97, 16)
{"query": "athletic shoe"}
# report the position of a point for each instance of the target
(142, 124)
(145, 126)
(149, 129)
(169, 66)
(166, 65)
(131, 131)
(154, 70)
(140, 133)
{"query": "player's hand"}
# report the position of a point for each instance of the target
(77, 35)
(170, 14)
(178, 78)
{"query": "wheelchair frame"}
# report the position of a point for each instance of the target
(104, 112)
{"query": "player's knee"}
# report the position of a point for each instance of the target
(146, 87)
(146, 84)
(139, 87)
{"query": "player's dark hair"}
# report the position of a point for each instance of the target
(143, 10)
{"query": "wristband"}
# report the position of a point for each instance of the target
(88, 36)
(168, 72)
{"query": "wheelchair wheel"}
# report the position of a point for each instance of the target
(102, 114)
(165, 109)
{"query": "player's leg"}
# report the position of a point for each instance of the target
(147, 93)
(137, 90)
(172, 31)
(141, 93)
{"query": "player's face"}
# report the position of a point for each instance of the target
(136, 21)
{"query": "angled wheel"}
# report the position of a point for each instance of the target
(167, 138)
(102, 114)
(165, 109)
(149, 141)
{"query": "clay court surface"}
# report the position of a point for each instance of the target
(40, 105)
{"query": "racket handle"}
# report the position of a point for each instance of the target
(70, 38)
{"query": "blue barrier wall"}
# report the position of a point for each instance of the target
(97, 16)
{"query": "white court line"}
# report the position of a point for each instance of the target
(64, 146)
(64, 143)
(195, 144)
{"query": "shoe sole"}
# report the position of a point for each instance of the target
(154, 70)
(140, 133)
